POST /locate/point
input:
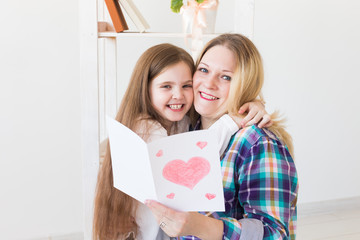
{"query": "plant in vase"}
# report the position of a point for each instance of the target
(197, 14)
(198, 17)
(177, 4)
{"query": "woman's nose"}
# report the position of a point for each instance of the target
(211, 82)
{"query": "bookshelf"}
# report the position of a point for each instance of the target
(107, 59)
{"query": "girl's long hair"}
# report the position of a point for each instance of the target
(248, 79)
(114, 211)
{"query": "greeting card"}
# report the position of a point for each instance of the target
(181, 171)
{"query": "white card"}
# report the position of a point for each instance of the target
(180, 171)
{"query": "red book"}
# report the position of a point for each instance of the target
(116, 15)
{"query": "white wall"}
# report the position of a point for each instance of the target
(40, 162)
(310, 50)
(311, 53)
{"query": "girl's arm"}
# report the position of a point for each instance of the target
(223, 129)
(256, 114)
(229, 124)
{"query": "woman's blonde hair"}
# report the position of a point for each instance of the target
(248, 78)
(114, 211)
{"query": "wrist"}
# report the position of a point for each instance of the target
(208, 227)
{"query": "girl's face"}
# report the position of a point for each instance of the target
(171, 92)
(212, 82)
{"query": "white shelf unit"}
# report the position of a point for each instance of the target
(102, 87)
(110, 34)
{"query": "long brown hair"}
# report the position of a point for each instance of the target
(248, 78)
(114, 212)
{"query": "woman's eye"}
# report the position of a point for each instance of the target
(225, 77)
(203, 70)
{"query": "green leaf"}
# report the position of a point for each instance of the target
(200, 1)
(176, 5)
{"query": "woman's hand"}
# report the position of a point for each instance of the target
(256, 114)
(175, 223)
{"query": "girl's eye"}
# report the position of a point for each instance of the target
(204, 70)
(166, 86)
(187, 86)
(225, 77)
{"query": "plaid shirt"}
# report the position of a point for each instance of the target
(260, 181)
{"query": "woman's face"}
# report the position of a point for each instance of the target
(211, 82)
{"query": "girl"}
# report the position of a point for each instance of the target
(155, 104)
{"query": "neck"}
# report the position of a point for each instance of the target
(207, 122)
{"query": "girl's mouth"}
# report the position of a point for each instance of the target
(176, 107)
(208, 96)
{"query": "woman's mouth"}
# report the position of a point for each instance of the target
(208, 96)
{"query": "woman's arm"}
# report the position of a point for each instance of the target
(268, 181)
(175, 223)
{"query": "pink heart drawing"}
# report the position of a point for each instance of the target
(210, 196)
(187, 174)
(171, 195)
(201, 144)
(159, 153)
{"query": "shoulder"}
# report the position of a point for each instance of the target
(253, 133)
(255, 148)
(256, 140)
(149, 130)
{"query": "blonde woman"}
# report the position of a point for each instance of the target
(259, 174)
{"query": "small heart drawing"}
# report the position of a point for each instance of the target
(159, 153)
(171, 195)
(187, 174)
(210, 196)
(201, 144)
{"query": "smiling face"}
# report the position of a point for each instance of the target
(171, 92)
(212, 83)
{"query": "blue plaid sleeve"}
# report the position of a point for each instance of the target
(267, 182)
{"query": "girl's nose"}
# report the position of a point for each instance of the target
(178, 93)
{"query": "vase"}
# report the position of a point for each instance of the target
(201, 16)
(210, 16)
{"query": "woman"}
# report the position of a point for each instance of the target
(259, 175)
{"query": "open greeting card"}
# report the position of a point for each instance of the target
(180, 171)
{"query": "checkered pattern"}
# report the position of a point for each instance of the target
(260, 181)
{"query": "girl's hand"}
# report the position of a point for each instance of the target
(256, 114)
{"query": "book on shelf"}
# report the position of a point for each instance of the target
(135, 15)
(116, 15)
